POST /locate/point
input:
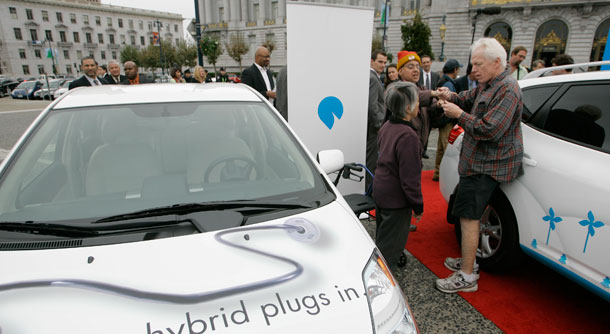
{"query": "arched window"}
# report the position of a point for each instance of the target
(502, 32)
(551, 40)
(599, 41)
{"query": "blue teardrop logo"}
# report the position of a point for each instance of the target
(328, 108)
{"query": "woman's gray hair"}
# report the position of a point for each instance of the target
(399, 95)
(492, 49)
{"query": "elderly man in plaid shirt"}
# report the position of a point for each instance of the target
(492, 151)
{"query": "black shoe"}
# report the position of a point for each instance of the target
(402, 262)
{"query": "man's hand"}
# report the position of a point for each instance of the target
(451, 110)
(271, 94)
(417, 217)
(443, 93)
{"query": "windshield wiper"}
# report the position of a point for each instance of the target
(186, 208)
(48, 229)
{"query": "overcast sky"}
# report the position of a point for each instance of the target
(184, 7)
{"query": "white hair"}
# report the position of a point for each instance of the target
(492, 49)
(113, 62)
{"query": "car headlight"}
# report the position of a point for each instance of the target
(389, 311)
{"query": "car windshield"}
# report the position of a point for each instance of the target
(95, 162)
(27, 85)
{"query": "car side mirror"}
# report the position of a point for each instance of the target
(330, 160)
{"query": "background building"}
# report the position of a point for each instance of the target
(545, 27)
(75, 29)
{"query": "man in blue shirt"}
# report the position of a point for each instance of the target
(450, 73)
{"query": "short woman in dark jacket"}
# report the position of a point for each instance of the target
(397, 183)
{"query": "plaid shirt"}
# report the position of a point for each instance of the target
(493, 144)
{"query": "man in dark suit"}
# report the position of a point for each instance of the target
(114, 76)
(89, 68)
(376, 112)
(258, 76)
(133, 78)
(428, 80)
(466, 82)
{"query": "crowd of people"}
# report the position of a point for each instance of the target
(407, 100)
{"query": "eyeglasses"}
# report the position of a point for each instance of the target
(412, 66)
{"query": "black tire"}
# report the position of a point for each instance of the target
(499, 239)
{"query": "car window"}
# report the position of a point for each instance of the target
(534, 98)
(582, 115)
(92, 162)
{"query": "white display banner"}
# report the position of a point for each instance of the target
(329, 52)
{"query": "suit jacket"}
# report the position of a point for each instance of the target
(281, 102)
(143, 80)
(83, 82)
(434, 78)
(252, 77)
(110, 81)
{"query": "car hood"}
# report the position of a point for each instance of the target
(327, 297)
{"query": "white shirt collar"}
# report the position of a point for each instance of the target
(92, 81)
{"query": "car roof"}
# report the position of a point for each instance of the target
(576, 77)
(156, 93)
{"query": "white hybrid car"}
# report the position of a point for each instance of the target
(165, 209)
(558, 212)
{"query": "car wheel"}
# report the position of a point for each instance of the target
(499, 237)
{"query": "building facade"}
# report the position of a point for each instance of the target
(545, 27)
(74, 29)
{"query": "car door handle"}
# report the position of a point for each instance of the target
(529, 161)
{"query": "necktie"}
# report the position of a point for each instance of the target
(95, 82)
(427, 80)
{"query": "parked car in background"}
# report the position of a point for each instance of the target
(234, 78)
(7, 85)
(48, 93)
(167, 207)
(26, 89)
(557, 212)
(61, 90)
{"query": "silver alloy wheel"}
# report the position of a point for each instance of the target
(490, 238)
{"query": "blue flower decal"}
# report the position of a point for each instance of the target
(563, 259)
(534, 243)
(552, 220)
(592, 224)
(606, 282)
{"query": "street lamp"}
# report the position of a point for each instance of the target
(487, 11)
(386, 10)
(443, 28)
(198, 34)
(158, 23)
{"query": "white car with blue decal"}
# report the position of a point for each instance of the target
(165, 208)
(558, 211)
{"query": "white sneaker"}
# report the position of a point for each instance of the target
(455, 264)
(456, 282)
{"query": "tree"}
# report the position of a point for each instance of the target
(170, 58)
(237, 47)
(186, 55)
(269, 44)
(416, 36)
(150, 57)
(130, 53)
(211, 48)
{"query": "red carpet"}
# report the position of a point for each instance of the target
(528, 299)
